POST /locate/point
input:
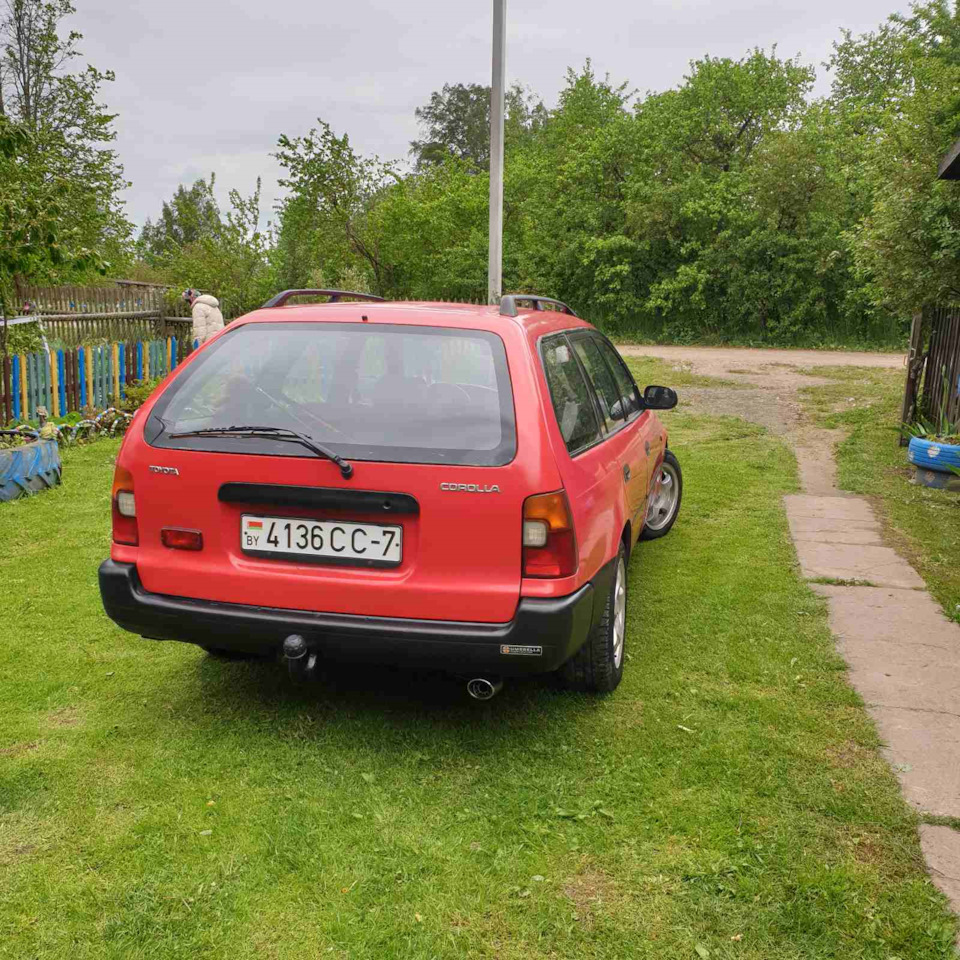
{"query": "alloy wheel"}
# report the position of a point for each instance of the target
(619, 613)
(664, 504)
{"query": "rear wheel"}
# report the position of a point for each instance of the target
(597, 667)
(665, 506)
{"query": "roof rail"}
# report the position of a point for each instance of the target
(335, 296)
(508, 304)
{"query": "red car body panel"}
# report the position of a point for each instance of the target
(604, 504)
(462, 555)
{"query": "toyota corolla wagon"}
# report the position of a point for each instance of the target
(430, 485)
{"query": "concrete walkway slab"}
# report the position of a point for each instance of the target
(901, 663)
(923, 747)
(835, 508)
(812, 528)
(941, 847)
(903, 655)
(904, 659)
(816, 530)
(901, 650)
(910, 618)
(889, 675)
(843, 561)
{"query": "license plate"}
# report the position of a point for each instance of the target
(325, 541)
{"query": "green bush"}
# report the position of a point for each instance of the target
(24, 338)
(137, 393)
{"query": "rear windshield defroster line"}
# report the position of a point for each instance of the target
(386, 392)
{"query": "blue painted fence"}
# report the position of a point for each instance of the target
(68, 381)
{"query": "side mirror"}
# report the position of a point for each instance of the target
(659, 398)
(617, 411)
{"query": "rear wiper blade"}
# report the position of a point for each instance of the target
(273, 433)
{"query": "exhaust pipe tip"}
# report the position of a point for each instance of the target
(482, 688)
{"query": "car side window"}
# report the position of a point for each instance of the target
(607, 391)
(570, 394)
(625, 382)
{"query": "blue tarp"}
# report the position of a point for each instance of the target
(29, 469)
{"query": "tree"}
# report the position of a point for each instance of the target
(908, 247)
(898, 91)
(433, 229)
(329, 215)
(69, 129)
(723, 111)
(456, 124)
(191, 215)
(585, 153)
(693, 207)
(233, 261)
(34, 233)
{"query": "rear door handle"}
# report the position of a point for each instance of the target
(626, 473)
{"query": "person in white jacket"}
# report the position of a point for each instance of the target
(207, 318)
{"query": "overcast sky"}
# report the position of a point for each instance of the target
(208, 85)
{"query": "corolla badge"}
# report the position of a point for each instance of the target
(470, 487)
(170, 471)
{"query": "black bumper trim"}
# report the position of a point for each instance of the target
(559, 626)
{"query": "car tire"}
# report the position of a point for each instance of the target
(597, 667)
(664, 508)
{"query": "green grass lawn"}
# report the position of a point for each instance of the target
(923, 524)
(728, 801)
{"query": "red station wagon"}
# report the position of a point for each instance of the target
(420, 484)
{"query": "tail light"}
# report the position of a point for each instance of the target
(549, 543)
(124, 508)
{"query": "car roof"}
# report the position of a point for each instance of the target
(466, 316)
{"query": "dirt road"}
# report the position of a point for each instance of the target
(719, 361)
(769, 381)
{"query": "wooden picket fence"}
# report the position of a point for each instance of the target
(117, 296)
(124, 310)
(70, 380)
(933, 362)
(74, 315)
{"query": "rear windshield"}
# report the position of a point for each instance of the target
(368, 391)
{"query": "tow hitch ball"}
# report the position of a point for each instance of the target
(301, 660)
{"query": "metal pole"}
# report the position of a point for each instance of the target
(495, 261)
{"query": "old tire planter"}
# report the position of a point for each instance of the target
(28, 469)
(930, 455)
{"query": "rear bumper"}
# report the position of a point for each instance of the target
(558, 627)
